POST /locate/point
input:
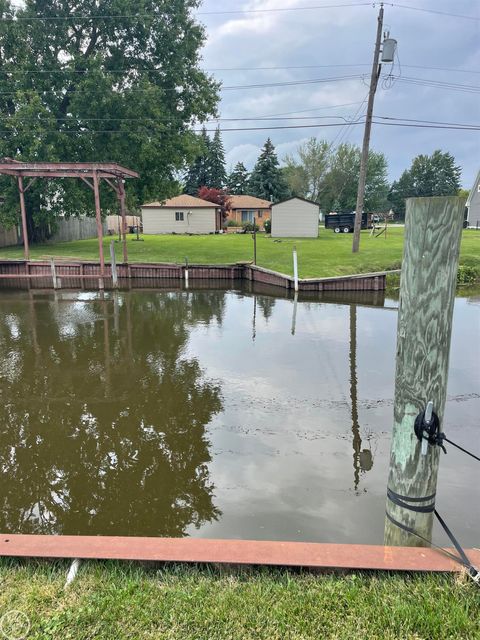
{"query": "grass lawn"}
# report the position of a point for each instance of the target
(113, 601)
(329, 255)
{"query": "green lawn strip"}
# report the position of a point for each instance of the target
(329, 255)
(111, 600)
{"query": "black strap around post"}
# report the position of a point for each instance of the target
(402, 501)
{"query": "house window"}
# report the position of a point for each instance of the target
(247, 216)
(179, 216)
(260, 214)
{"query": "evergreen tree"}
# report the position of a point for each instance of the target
(238, 180)
(435, 175)
(216, 162)
(199, 173)
(267, 180)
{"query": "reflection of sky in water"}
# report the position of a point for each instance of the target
(284, 461)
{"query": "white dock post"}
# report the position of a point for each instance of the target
(113, 264)
(54, 273)
(295, 268)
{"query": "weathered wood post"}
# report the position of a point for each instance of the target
(433, 229)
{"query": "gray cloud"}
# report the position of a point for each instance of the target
(345, 36)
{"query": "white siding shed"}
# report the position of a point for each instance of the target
(182, 214)
(295, 218)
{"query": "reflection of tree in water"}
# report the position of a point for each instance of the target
(103, 432)
(362, 458)
(266, 304)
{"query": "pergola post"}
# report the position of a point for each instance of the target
(121, 199)
(98, 215)
(26, 249)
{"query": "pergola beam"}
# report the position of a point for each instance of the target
(89, 172)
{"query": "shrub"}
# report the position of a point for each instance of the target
(248, 227)
(233, 223)
(467, 274)
(267, 225)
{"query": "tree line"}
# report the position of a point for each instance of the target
(320, 172)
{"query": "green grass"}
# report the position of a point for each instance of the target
(329, 255)
(116, 601)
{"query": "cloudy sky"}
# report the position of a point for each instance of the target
(334, 42)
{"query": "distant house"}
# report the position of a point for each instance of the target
(295, 218)
(473, 204)
(181, 214)
(245, 209)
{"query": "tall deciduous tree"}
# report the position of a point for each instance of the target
(306, 173)
(111, 80)
(238, 180)
(435, 175)
(340, 185)
(267, 180)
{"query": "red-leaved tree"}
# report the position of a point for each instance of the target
(220, 197)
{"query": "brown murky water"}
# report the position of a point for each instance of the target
(216, 413)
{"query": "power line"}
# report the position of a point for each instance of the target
(177, 90)
(398, 122)
(146, 16)
(438, 84)
(140, 16)
(219, 69)
(440, 13)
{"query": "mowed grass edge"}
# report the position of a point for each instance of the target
(328, 255)
(112, 600)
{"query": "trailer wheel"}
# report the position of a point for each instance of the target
(346, 229)
(337, 230)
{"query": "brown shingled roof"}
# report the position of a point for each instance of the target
(249, 202)
(181, 201)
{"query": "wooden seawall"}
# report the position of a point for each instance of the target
(21, 274)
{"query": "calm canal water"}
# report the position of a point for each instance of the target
(215, 413)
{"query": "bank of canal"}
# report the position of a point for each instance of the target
(227, 413)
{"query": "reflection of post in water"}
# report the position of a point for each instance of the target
(128, 300)
(106, 344)
(33, 322)
(362, 459)
(254, 319)
(116, 321)
(294, 314)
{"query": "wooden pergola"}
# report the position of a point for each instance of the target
(90, 172)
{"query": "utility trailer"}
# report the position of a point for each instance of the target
(344, 222)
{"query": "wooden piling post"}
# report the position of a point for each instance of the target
(433, 229)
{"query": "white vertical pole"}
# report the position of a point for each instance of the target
(54, 273)
(113, 263)
(186, 272)
(295, 268)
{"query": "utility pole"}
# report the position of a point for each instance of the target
(376, 68)
(433, 230)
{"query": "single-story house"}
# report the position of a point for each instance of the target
(473, 204)
(245, 209)
(295, 218)
(181, 214)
